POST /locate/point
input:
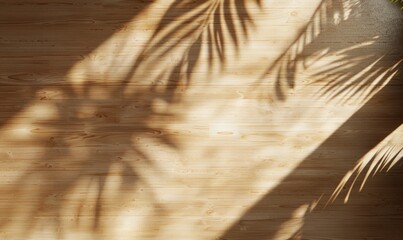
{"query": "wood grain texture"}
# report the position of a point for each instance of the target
(224, 119)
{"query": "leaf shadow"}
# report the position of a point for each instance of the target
(99, 130)
(369, 68)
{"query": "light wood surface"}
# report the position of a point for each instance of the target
(221, 119)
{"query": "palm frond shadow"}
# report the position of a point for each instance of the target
(344, 76)
(382, 157)
(368, 128)
(313, 181)
(190, 27)
(326, 16)
(75, 156)
(72, 156)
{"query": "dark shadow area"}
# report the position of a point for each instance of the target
(371, 57)
(40, 41)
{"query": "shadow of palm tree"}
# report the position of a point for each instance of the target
(87, 146)
(101, 127)
(40, 44)
(367, 59)
(190, 27)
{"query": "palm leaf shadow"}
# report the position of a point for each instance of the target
(189, 27)
(347, 76)
(383, 156)
(326, 18)
(60, 171)
(53, 176)
(184, 28)
(314, 179)
(364, 130)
